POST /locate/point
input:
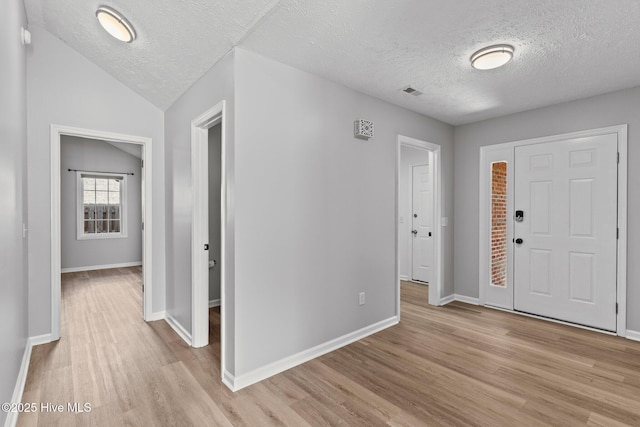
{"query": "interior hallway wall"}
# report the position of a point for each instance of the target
(316, 209)
(65, 88)
(215, 86)
(13, 198)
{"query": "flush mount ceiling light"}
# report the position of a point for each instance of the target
(115, 24)
(492, 57)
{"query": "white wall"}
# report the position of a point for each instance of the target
(216, 85)
(596, 112)
(13, 196)
(64, 88)
(215, 152)
(94, 155)
(409, 157)
(315, 209)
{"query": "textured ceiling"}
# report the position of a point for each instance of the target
(178, 40)
(565, 49)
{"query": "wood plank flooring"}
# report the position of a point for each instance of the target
(457, 365)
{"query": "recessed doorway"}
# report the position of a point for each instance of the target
(58, 133)
(553, 228)
(419, 207)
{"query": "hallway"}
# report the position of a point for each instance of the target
(452, 365)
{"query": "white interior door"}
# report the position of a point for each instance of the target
(422, 220)
(565, 265)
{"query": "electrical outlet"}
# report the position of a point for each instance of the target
(361, 298)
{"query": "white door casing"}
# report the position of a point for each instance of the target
(56, 132)
(565, 268)
(422, 222)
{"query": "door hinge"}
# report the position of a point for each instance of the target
(618, 157)
(617, 233)
(143, 226)
(616, 308)
(143, 288)
(142, 163)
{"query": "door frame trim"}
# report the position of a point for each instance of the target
(621, 267)
(436, 150)
(200, 225)
(56, 132)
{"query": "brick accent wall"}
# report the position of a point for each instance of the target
(499, 223)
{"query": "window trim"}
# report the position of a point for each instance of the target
(80, 234)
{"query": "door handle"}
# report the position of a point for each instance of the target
(519, 241)
(414, 232)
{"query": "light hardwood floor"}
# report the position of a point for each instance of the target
(456, 365)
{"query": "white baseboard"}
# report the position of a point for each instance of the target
(259, 374)
(633, 335)
(214, 303)
(228, 380)
(176, 326)
(40, 339)
(446, 300)
(466, 299)
(12, 417)
(159, 315)
(457, 297)
(403, 277)
(100, 267)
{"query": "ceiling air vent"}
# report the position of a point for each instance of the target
(411, 91)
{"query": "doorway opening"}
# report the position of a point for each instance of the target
(214, 160)
(418, 214)
(210, 237)
(101, 210)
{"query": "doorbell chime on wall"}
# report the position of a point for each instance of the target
(363, 129)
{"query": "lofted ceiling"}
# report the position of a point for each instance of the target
(565, 49)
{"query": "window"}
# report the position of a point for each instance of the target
(101, 205)
(499, 224)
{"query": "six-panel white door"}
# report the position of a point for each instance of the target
(422, 220)
(565, 267)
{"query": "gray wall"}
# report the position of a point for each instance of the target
(600, 111)
(93, 155)
(315, 209)
(215, 177)
(13, 212)
(65, 88)
(408, 158)
(215, 86)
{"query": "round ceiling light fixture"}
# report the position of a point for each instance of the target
(492, 57)
(115, 24)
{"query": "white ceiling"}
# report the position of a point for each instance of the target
(133, 149)
(565, 49)
(178, 40)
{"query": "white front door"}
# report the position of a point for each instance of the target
(422, 220)
(565, 262)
